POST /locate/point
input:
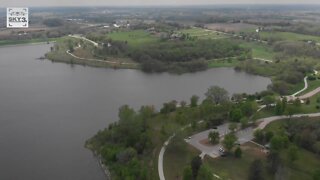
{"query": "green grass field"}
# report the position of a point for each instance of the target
(236, 168)
(311, 86)
(134, 38)
(259, 50)
(203, 33)
(289, 36)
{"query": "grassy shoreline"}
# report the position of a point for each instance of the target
(8, 43)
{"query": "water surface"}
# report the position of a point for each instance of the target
(48, 110)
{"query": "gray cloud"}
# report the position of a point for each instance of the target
(28, 3)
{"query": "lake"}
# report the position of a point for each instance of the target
(48, 110)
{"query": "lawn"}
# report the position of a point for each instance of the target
(259, 50)
(311, 108)
(266, 112)
(176, 158)
(289, 36)
(311, 86)
(236, 168)
(203, 33)
(134, 38)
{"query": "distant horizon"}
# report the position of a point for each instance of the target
(167, 5)
(150, 3)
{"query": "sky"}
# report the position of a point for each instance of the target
(29, 3)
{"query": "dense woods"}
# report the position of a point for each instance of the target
(174, 56)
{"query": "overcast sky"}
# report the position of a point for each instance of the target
(28, 3)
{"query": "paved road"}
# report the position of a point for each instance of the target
(265, 121)
(160, 158)
(310, 94)
(83, 38)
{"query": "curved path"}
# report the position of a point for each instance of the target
(163, 150)
(97, 60)
(305, 87)
(160, 158)
(268, 120)
(83, 38)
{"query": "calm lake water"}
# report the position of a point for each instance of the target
(48, 110)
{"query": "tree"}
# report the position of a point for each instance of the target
(236, 115)
(293, 153)
(187, 174)
(291, 110)
(258, 135)
(183, 104)
(249, 107)
(244, 122)
(268, 135)
(233, 126)
(255, 172)
(168, 107)
(217, 95)
(307, 101)
(278, 108)
(204, 173)
(195, 166)
(194, 101)
(297, 102)
(273, 161)
(284, 104)
(126, 113)
(214, 137)
(279, 142)
(316, 175)
(229, 140)
(268, 100)
(238, 152)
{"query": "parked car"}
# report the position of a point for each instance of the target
(222, 152)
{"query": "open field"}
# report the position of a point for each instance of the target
(237, 168)
(311, 86)
(312, 107)
(134, 38)
(259, 50)
(203, 33)
(176, 159)
(289, 36)
(232, 27)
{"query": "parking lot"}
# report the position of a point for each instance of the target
(196, 140)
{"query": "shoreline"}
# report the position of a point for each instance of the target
(27, 43)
